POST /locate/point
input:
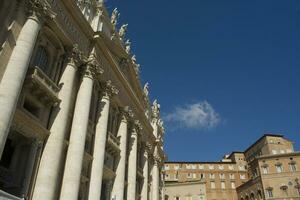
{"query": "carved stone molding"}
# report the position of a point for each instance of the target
(40, 10)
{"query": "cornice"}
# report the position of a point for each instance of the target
(100, 42)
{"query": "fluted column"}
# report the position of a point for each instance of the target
(145, 174)
(132, 162)
(119, 183)
(15, 72)
(75, 154)
(46, 186)
(100, 143)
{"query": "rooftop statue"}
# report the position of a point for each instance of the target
(155, 108)
(146, 90)
(114, 17)
(127, 46)
(135, 65)
(123, 30)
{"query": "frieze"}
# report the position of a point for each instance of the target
(66, 22)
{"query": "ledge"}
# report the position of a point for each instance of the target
(42, 86)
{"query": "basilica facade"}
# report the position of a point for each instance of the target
(75, 121)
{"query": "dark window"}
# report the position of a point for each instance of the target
(7, 154)
(41, 59)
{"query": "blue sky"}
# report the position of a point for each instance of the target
(225, 72)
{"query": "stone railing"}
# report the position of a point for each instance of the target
(42, 86)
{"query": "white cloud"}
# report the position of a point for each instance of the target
(200, 115)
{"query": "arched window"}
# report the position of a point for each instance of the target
(41, 59)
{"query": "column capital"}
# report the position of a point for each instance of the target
(126, 113)
(91, 68)
(74, 56)
(137, 126)
(40, 10)
(110, 89)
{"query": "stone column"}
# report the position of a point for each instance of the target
(75, 154)
(119, 183)
(146, 175)
(156, 179)
(100, 143)
(46, 186)
(132, 162)
(14, 75)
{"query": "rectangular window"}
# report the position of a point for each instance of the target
(274, 152)
(176, 176)
(222, 185)
(231, 176)
(194, 175)
(242, 177)
(201, 166)
(211, 167)
(202, 176)
(212, 185)
(270, 193)
(279, 168)
(222, 176)
(194, 166)
(176, 167)
(233, 185)
(293, 167)
(189, 175)
(167, 167)
(177, 198)
(211, 176)
(230, 167)
(299, 190)
(167, 176)
(265, 170)
(221, 167)
(188, 166)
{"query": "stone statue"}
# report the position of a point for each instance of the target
(133, 59)
(127, 46)
(155, 108)
(146, 90)
(114, 17)
(122, 31)
(135, 65)
(137, 68)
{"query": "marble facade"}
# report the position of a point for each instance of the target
(75, 121)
